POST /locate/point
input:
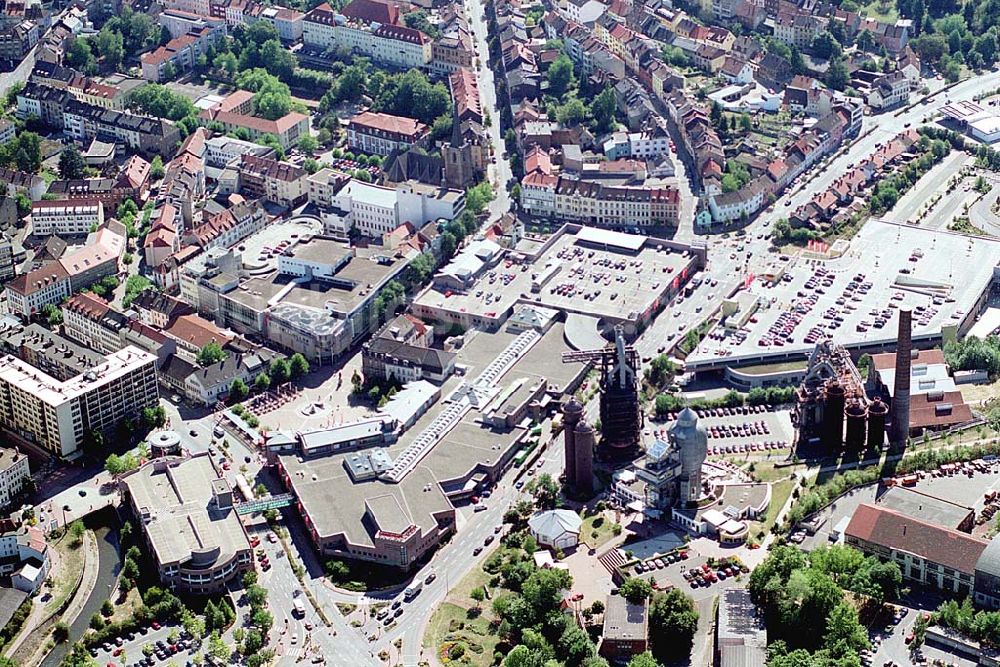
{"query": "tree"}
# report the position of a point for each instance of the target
(560, 76)
(545, 490)
(298, 365)
(278, 60)
(238, 390)
(672, 624)
(262, 382)
(107, 609)
(843, 630)
(77, 529)
(573, 112)
(602, 110)
(636, 590)
(53, 316)
(71, 163)
(825, 46)
(308, 144)
(478, 595)
(61, 632)
(837, 76)
(643, 660)
(23, 152)
(411, 94)
(211, 353)
(217, 647)
(79, 56)
(280, 371)
(110, 47)
(574, 645)
(156, 169)
(477, 197)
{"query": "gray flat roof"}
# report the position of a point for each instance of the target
(178, 495)
(921, 506)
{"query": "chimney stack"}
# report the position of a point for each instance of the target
(901, 385)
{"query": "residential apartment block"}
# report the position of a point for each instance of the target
(370, 28)
(14, 473)
(382, 133)
(58, 414)
(64, 217)
(278, 182)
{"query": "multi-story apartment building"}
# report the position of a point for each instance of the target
(234, 112)
(90, 320)
(199, 7)
(28, 292)
(7, 264)
(16, 41)
(221, 150)
(274, 181)
(179, 54)
(14, 473)
(889, 90)
(288, 22)
(131, 183)
(598, 204)
(389, 44)
(185, 509)
(798, 30)
(66, 217)
(57, 415)
(382, 133)
(150, 136)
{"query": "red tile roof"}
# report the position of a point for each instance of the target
(196, 331)
(371, 11)
(887, 360)
(408, 127)
(891, 529)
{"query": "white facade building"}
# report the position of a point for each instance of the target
(66, 217)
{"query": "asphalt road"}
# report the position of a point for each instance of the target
(499, 172)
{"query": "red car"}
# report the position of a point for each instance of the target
(156, 626)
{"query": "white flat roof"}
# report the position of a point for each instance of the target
(612, 238)
(988, 322)
(366, 193)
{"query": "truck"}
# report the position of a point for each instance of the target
(413, 591)
(298, 609)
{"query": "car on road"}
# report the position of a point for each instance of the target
(477, 551)
(479, 508)
(430, 577)
(488, 540)
(193, 433)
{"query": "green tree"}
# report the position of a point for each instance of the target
(280, 371)
(298, 365)
(545, 491)
(572, 112)
(412, 94)
(211, 353)
(643, 660)
(156, 169)
(262, 382)
(672, 624)
(78, 55)
(77, 529)
(560, 76)
(825, 46)
(574, 645)
(71, 163)
(238, 390)
(308, 144)
(478, 595)
(635, 590)
(602, 110)
(53, 316)
(837, 76)
(478, 197)
(61, 632)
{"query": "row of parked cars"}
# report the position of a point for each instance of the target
(743, 430)
(661, 562)
(770, 445)
(705, 576)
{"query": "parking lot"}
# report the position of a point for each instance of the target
(742, 430)
(855, 298)
(131, 647)
(689, 571)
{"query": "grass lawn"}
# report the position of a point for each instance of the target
(780, 491)
(125, 610)
(597, 530)
(974, 393)
(882, 10)
(451, 625)
(70, 565)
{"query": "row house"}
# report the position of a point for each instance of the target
(798, 30)
(549, 196)
(453, 50)
(163, 239)
(99, 94)
(183, 185)
(16, 41)
(228, 227)
(278, 182)
(697, 135)
(289, 23)
(91, 321)
(131, 183)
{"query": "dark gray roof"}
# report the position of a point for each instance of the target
(424, 357)
(415, 165)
